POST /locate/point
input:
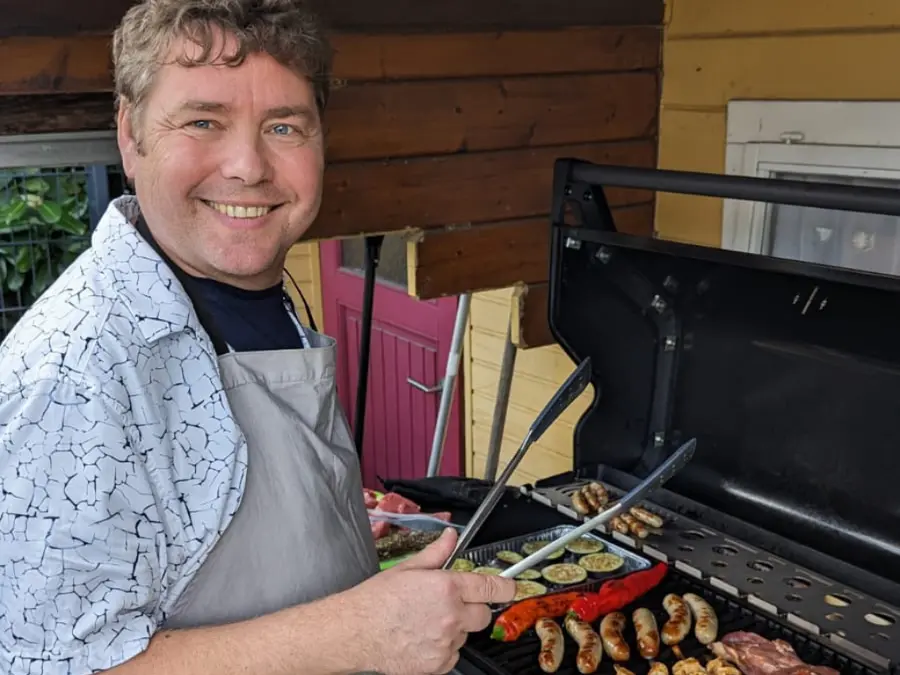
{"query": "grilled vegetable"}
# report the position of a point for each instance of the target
(552, 644)
(529, 575)
(564, 573)
(462, 565)
(514, 621)
(617, 593)
(535, 546)
(612, 633)
(584, 545)
(400, 543)
(510, 557)
(487, 569)
(601, 562)
(528, 589)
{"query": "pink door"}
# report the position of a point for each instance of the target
(409, 347)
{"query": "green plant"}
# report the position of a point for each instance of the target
(44, 226)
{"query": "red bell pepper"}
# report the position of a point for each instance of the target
(510, 625)
(617, 593)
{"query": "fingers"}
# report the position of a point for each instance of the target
(449, 664)
(484, 589)
(433, 556)
(475, 618)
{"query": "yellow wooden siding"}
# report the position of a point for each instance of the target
(303, 264)
(717, 51)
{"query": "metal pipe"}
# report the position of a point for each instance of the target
(863, 199)
(501, 405)
(373, 252)
(449, 387)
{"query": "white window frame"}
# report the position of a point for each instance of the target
(59, 149)
(847, 138)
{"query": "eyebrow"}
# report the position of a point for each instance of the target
(272, 113)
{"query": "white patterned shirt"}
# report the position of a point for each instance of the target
(120, 461)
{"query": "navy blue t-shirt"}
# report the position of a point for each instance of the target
(242, 319)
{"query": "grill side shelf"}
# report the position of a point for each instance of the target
(855, 623)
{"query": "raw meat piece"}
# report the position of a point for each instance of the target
(380, 528)
(370, 498)
(755, 655)
(394, 503)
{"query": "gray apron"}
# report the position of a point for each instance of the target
(301, 531)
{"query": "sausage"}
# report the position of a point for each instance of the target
(646, 517)
(619, 524)
(679, 623)
(622, 670)
(647, 633)
(658, 668)
(611, 629)
(689, 666)
(580, 503)
(720, 667)
(552, 645)
(590, 652)
(706, 624)
(591, 499)
(637, 527)
(600, 492)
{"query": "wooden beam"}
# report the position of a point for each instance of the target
(61, 18)
(39, 65)
(56, 113)
(528, 314)
(367, 197)
(442, 117)
(454, 260)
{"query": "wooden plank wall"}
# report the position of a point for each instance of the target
(722, 50)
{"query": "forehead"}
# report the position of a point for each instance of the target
(259, 82)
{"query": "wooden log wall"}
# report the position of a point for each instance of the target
(445, 122)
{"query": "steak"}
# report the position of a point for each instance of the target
(755, 655)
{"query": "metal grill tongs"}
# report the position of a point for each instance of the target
(654, 481)
(571, 389)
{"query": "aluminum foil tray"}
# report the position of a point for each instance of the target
(487, 556)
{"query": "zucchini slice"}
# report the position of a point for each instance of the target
(487, 569)
(510, 557)
(601, 562)
(529, 575)
(462, 565)
(535, 546)
(528, 589)
(564, 573)
(584, 545)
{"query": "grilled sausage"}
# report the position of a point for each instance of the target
(611, 632)
(580, 503)
(591, 499)
(647, 633)
(706, 624)
(552, 645)
(636, 527)
(590, 652)
(689, 666)
(618, 524)
(679, 623)
(600, 492)
(658, 668)
(622, 670)
(720, 667)
(646, 517)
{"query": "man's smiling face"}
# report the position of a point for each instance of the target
(227, 164)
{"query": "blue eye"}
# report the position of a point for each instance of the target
(282, 129)
(201, 124)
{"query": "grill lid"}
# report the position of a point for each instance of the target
(788, 374)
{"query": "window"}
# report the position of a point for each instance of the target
(53, 190)
(844, 142)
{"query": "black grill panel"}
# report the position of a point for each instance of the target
(520, 657)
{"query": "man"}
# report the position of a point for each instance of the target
(179, 492)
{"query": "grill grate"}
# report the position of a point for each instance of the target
(520, 657)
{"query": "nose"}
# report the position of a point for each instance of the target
(245, 158)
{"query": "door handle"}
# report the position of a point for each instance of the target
(421, 387)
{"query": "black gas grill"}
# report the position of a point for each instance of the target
(788, 375)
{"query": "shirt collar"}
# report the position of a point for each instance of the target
(149, 288)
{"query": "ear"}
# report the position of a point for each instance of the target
(129, 147)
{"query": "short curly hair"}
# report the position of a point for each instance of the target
(287, 30)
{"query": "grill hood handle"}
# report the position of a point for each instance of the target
(571, 389)
(653, 482)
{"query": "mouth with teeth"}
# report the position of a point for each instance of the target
(239, 211)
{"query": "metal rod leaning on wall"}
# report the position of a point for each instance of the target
(501, 405)
(862, 199)
(373, 256)
(449, 385)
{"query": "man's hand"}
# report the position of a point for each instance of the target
(414, 618)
